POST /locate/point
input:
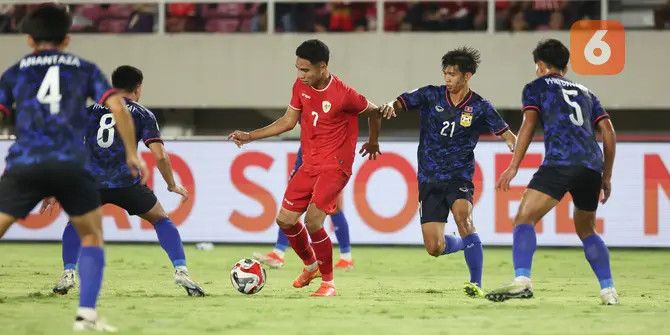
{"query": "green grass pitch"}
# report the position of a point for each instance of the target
(393, 290)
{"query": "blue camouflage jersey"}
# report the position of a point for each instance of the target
(450, 133)
(49, 90)
(107, 161)
(298, 160)
(297, 164)
(569, 113)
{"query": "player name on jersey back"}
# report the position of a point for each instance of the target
(564, 83)
(42, 60)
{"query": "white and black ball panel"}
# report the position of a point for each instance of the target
(247, 276)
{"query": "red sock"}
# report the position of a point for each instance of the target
(323, 248)
(297, 237)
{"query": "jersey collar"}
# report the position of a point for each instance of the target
(332, 76)
(462, 103)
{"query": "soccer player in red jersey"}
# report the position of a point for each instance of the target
(328, 112)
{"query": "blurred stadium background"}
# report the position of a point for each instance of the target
(214, 66)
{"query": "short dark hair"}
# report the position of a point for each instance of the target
(466, 58)
(127, 78)
(47, 23)
(314, 51)
(553, 53)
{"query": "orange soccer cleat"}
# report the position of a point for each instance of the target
(325, 290)
(271, 259)
(345, 264)
(305, 278)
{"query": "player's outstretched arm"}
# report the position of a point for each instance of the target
(165, 168)
(609, 149)
(530, 120)
(391, 109)
(126, 128)
(510, 139)
(282, 125)
(371, 147)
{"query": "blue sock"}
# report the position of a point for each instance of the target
(91, 266)
(169, 238)
(523, 248)
(341, 231)
(474, 256)
(598, 256)
(453, 244)
(282, 241)
(71, 245)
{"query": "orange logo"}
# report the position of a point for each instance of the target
(597, 47)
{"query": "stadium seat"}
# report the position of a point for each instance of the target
(216, 25)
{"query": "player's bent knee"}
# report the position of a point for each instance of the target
(287, 219)
(584, 231)
(283, 224)
(585, 223)
(465, 227)
(434, 249)
(313, 223)
(315, 216)
(89, 227)
(155, 214)
(583, 235)
(153, 218)
(522, 218)
(89, 234)
(462, 220)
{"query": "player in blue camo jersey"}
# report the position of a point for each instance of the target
(569, 114)
(275, 258)
(118, 186)
(452, 117)
(48, 90)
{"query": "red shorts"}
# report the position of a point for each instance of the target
(319, 187)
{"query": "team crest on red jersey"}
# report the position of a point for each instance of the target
(326, 106)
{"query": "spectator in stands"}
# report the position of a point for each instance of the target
(84, 17)
(259, 17)
(518, 22)
(414, 18)
(364, 16)
(662, 17)
(340, 18)
(556, 21)
(6, 12)
(182, 17)
(142, 18)
(480, 19)
(539, 13)
(394, 15)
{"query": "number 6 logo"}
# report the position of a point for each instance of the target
(597, 47)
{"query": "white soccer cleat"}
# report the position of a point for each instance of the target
(520, 288)
(182, 278)
(609, 296)
(66, 282)
(94, 325)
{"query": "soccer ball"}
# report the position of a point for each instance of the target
(247, 276)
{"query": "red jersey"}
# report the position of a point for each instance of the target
(328, 123)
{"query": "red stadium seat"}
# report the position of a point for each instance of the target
(222, 25)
